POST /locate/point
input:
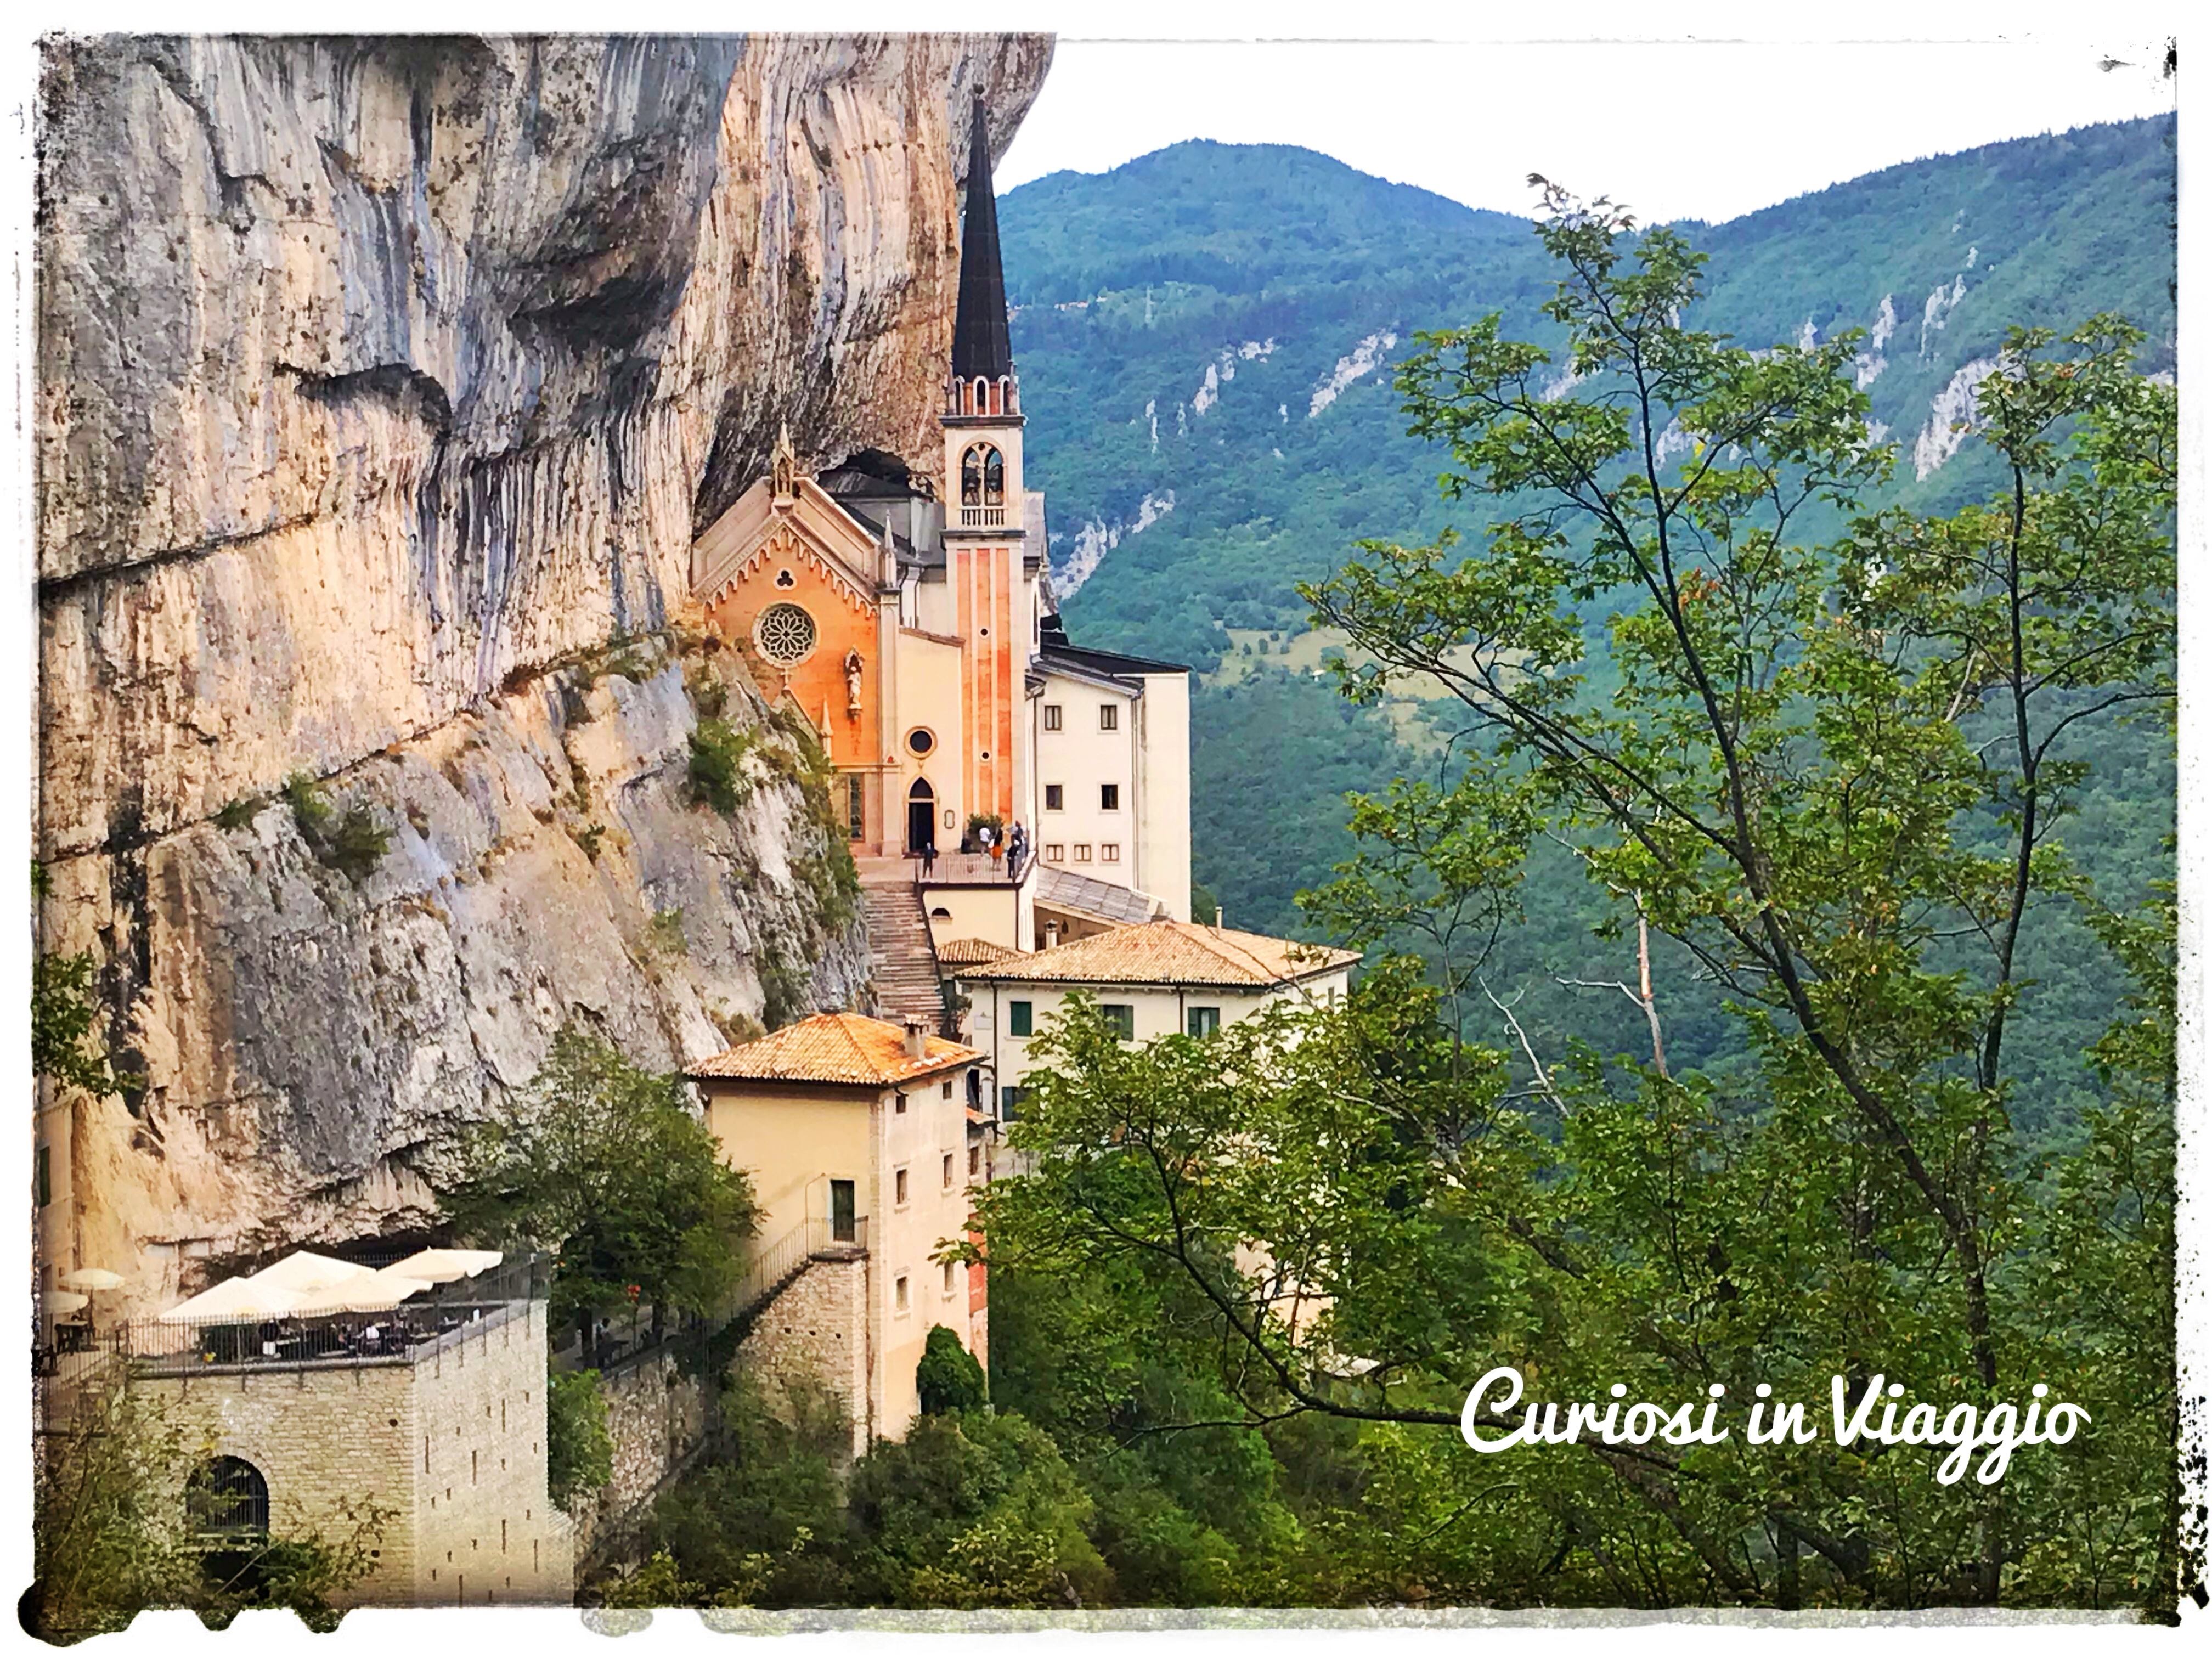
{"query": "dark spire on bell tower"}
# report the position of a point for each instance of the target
(979, 343)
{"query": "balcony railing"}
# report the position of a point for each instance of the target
(983, 518)
(417, 1328)
(775, 1264)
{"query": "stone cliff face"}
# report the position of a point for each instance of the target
(382, 385)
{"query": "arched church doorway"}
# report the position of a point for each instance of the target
(921, 816)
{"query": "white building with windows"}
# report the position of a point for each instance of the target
(1111, 777)
(1153, 979)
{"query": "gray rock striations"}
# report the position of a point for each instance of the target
(382, 385)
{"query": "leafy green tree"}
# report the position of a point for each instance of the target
(1184, 1516)
(604, 1164)
(65, 1012)
(761, 1521)
(579, 1449)
(972, 1511)
(113, 1536)
(1836, 777)
(949, 1378)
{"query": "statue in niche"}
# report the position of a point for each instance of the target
(853, 683)
(783, 466)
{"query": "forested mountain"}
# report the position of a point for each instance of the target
(1207, 337)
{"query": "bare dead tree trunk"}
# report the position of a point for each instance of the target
(1643, 981)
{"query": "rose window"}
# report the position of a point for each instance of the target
(785, 634)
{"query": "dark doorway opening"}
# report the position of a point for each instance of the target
(920, 816)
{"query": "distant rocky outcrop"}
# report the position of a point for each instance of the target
(382, 383)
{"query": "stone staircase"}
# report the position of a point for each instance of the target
(907, 986)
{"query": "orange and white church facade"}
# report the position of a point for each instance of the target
(911, 620)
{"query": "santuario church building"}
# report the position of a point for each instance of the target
(910, 620)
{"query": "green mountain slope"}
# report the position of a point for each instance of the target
(1206, 337)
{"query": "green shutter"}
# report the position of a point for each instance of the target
(1017, 1018)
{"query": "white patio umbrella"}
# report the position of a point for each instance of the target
(443, 1266)
(233, 1302)
(67, 1302)
(304, 1271)
(369, 1293)
(91, 1278)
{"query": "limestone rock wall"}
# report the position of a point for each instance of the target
(381, 382)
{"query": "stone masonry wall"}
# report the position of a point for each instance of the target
(818, 1330)
(453, 1443)
(323, 1440)
(657, 1418)
(487, 1533)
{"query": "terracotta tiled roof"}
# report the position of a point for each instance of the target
(973, 953)
(833, 1049)
(1171, 954)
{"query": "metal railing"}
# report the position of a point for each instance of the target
(974, 870)
(775, 1264)
(417, 1328)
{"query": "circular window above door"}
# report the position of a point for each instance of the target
(921, 740)
(785, 634)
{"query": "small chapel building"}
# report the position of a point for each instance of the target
(911, 619)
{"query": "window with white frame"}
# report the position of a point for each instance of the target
(1083, 852)
(1052, 717)
(1110, 852)
(1109, 717)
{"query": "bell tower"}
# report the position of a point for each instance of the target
(983, 513)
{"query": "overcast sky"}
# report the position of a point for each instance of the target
(1676, 131)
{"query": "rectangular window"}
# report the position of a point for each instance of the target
(898, 1186)
(1017, 1018)
(948, 1171)
(948, 1279)
(948, 1089)
(900, 1107)
(975, 1160)
(856, 817)
(1109, 797)
(1204, 1022)
(1109, 717)
(1052, 717)
(841, 1211)
(1110, 852)
(1054, 851)
(42, 1178)
(1083, 852)
(1010, 1103)
(1120, 1018)
(1052, 797)
(901, 1293)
